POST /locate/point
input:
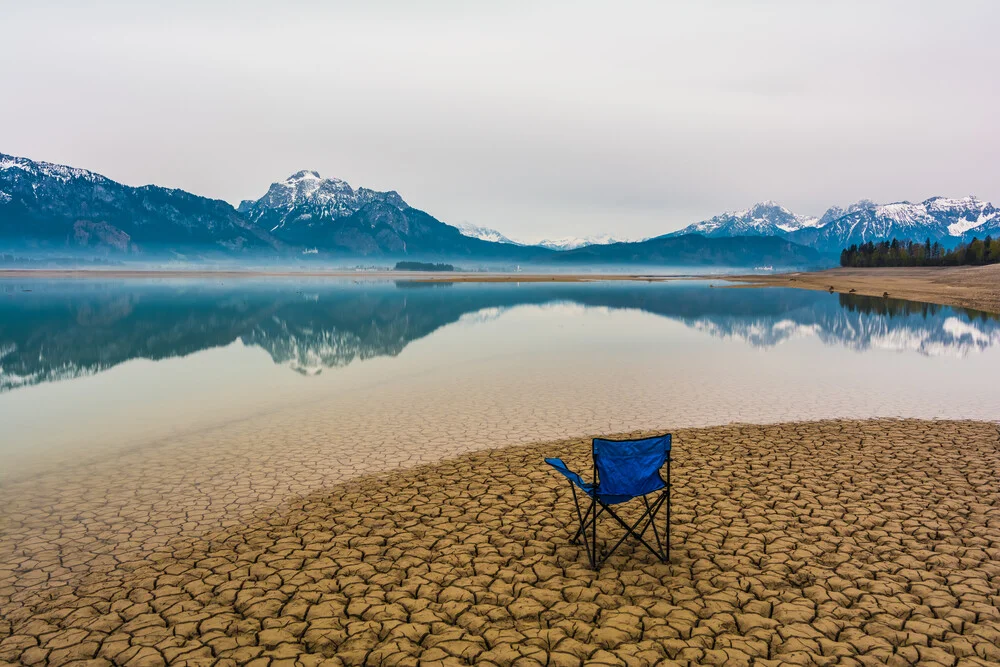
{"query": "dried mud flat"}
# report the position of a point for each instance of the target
(835, 542)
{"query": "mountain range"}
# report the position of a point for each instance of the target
(45, 206)
(561, 243)
(574, 242)
(486, 234)
(52, 208)
(948, 221)
(49, 206)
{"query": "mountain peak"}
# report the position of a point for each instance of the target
(765, 218)
(969, 202)
(835, 212)
(306, 199)
(767, 204)
(574, 242)
(484, 233)
(306, 174)
(38, 168)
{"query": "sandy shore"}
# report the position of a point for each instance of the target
(976, 287)
(848, 542)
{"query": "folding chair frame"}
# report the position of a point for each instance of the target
(598, 507)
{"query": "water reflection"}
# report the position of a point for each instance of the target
(864, 323)
(52, 330)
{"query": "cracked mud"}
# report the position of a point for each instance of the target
(836, 542)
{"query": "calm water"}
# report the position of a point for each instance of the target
(93, 367)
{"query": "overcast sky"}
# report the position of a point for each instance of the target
(538, 119)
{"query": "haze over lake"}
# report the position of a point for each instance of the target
(97, 366)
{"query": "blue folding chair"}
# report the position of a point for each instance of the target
(623, 470)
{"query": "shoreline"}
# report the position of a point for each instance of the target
(411, 276)
(868, 539)
(973, 287)
(976, 288)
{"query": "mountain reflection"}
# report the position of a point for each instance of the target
(51, 330)
(865, 323)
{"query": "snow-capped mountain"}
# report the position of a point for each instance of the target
(328, 215)
(39, 169)
(938, 218)
(49, 207)
(762, 219)
(574, 242)
(54, 207)
(835, 212)
(484, 233)
(306, 196)
(948, 221)
(563, 243)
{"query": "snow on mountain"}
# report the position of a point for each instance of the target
(574, 242)
(306, 195)
(835, 212)
(762, 219)
(563, 243)
(484, 233)
(939, 218)
(308, 211)
(972, 214)
(57, 205)
(52, 206)
(36, 169)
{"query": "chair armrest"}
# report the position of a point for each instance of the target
(570, 475)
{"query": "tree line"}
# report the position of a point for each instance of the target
(877, 305)
(422, 266)
(909, 253)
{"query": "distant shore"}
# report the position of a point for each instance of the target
(976, 287)
(417, 276)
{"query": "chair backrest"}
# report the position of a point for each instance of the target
(630, 467)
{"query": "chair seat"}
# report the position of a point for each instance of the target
(590, 489)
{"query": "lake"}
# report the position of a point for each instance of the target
(397, 373)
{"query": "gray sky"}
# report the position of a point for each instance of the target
(539, 119)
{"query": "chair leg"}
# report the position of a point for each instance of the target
(597, 508)
(652, 511)
(582, 529)
(594, 562)
(579, 528)
(583, 518)
(669, 484)
(631, 530)
(652, 524)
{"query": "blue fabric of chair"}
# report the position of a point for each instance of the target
(623, 470)
(630, 468)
